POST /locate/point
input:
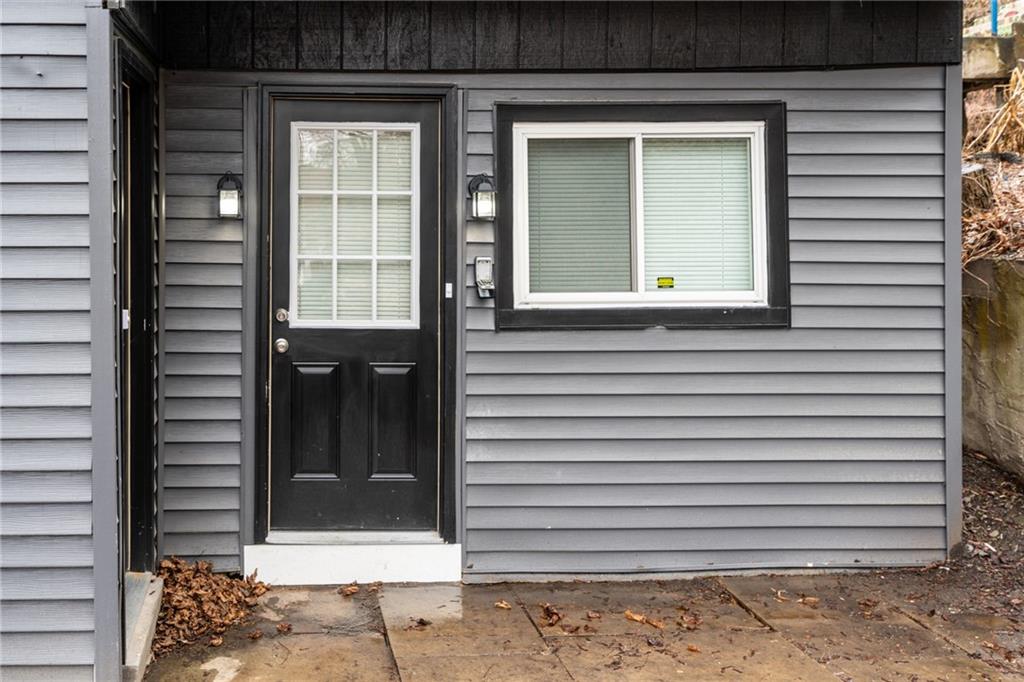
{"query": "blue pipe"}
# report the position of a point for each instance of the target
(995, 17)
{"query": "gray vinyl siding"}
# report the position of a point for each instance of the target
(202, 327)
(46, 554)
(605, 451)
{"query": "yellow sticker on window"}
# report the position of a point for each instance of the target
(666, 282)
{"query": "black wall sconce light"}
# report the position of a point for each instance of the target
(229, 196)
(481, 189)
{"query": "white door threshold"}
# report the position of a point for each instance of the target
(354, 537)
(335, 564)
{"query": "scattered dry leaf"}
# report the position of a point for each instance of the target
(374, 587)
(780, 595)
(255, 634)
(348, 590)
(551, 614)
(570, 629)
(593, 615)
(693, 648)
(284, 628)
(809, 601)
(216, 640)
(690, 620)
(418, 624)
(641, 618)
(502, 604)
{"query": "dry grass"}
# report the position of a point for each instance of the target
(996, 138)
(1005, 130)
(999, 231)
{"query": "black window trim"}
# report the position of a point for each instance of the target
(775, 315)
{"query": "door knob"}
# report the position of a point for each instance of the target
(281, 345)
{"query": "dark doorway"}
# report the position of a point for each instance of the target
(354, 357)
(136, 252)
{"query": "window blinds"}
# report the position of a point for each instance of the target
(697, 222)
(585, 227)
(579, 214)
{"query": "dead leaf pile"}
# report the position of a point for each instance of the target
(198, 603)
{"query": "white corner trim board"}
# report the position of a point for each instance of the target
(280, 564)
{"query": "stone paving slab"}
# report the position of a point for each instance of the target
(853, 632)
(493, 668)
(801, 628)
(283, 657)
(317, 610)
(732, 655)
(606, 604)
(331, 638)
(453, 620)
(979, 633)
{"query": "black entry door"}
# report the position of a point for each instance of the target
(354, 307)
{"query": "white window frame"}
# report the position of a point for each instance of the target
(413, 193)
(522, 133)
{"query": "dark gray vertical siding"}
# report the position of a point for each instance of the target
(202, 318)
(701, 450)
(46, 556)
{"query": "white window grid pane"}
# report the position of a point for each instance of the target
(374, 256)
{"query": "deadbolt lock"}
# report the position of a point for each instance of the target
(281, 345)
(281, 315)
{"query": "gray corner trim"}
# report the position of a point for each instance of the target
(250, 307)
(460, 323)
(952, 345)
(161, 317)
(106, 559)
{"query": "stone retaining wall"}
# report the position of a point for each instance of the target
(993, 371)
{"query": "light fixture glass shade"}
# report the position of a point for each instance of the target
(483, 204)
(229, 196)
(230, 203)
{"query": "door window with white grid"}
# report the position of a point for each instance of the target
(354, 225)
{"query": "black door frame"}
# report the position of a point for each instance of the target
(136, 84)
(449, 269)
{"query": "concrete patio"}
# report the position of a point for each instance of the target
(828, 627)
